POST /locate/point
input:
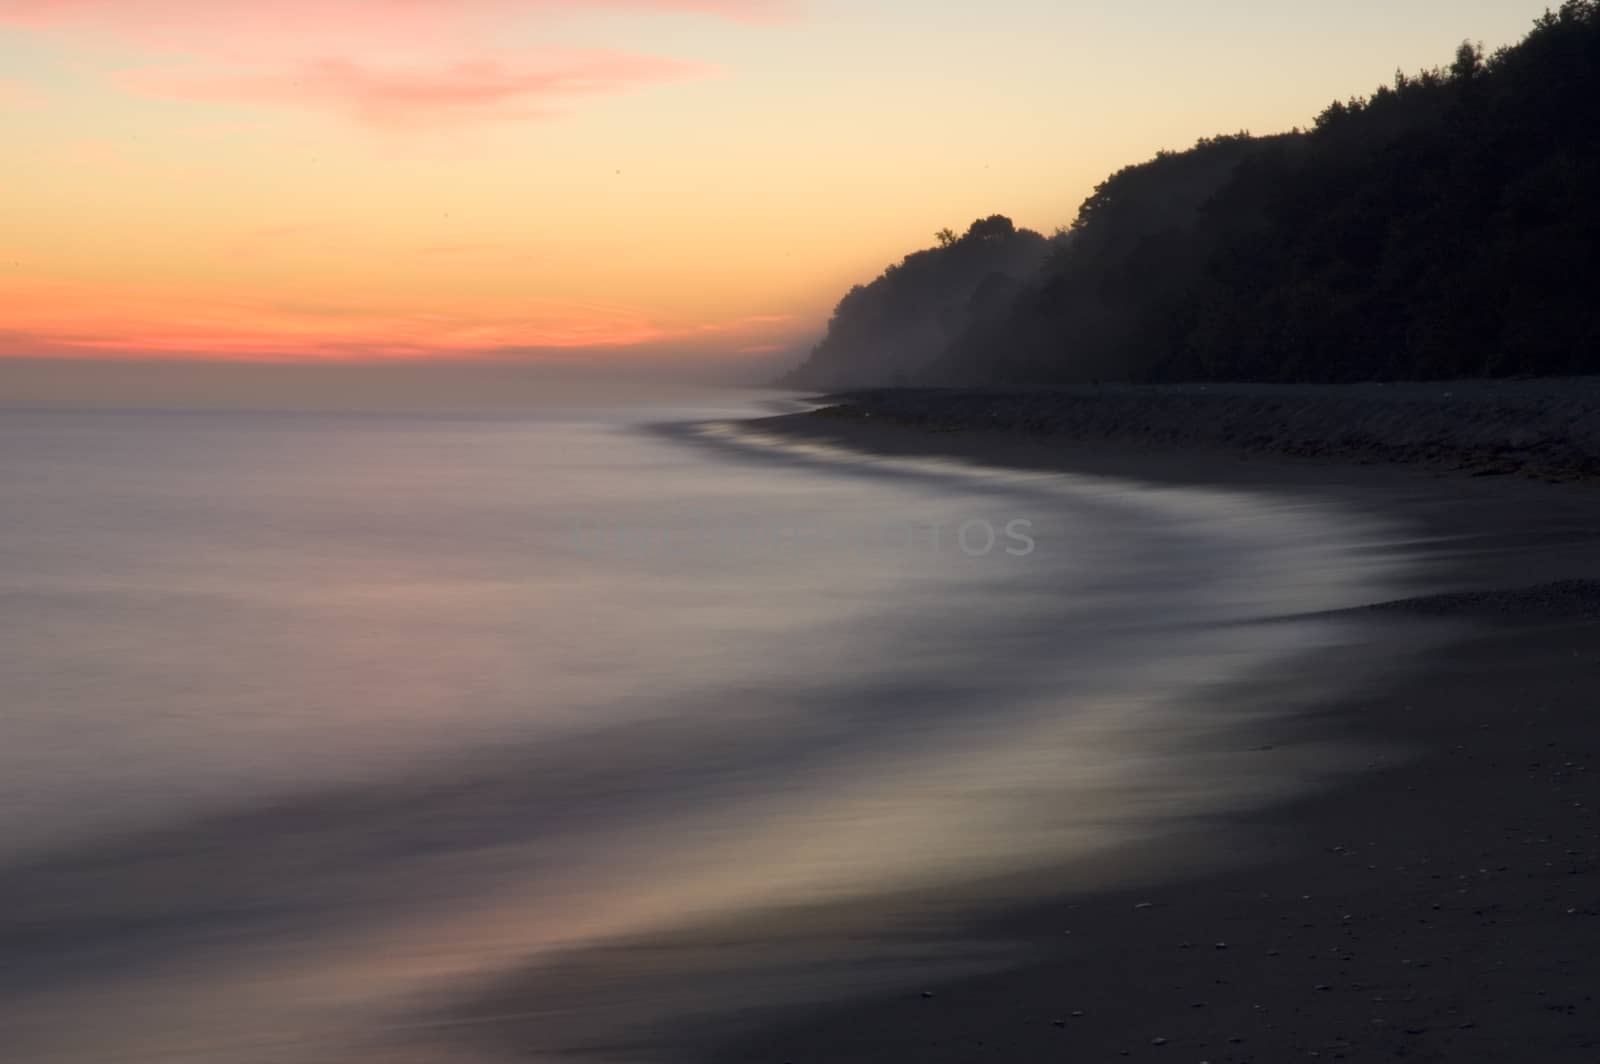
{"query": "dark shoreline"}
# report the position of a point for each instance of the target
(1548, 429)
(1438, 906)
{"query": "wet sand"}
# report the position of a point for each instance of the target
(1433, 894)
(1443, 904)
(1547, 428)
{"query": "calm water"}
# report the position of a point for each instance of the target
(318, 733)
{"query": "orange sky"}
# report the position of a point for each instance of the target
(585, 180)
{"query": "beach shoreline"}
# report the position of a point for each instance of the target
(1545, 428)
(1435, 906)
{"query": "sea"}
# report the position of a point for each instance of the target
(547, 734)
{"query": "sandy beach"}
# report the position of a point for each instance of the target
(1440, 905)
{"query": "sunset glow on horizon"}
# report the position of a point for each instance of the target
(590, 180)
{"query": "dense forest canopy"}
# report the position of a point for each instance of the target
(1447, 225)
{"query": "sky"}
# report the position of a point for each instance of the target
(593, 182)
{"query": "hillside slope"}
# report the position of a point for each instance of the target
(1446, 226)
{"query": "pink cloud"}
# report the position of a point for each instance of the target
(522, 88)
(386, 62)
(64, 319)
(254, 27)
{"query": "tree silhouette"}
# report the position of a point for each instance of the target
(994, 227)
(1469, 61)
(1445, 225)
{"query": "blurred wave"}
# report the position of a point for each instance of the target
(332, 737)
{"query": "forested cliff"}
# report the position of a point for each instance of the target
(1448, 225)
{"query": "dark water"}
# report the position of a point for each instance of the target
(313, 727)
